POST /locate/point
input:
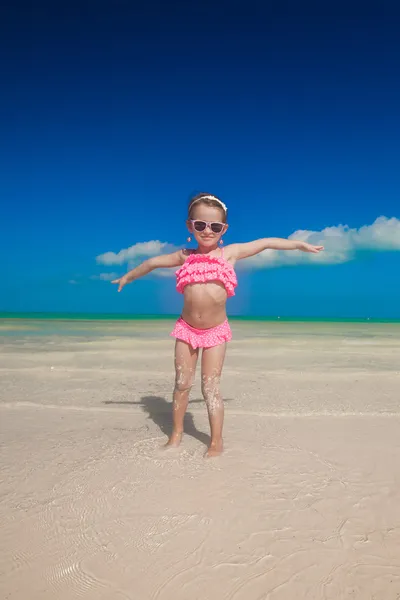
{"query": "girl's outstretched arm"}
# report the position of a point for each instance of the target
(156, 262)
(251, 248)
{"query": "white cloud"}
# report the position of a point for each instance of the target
(340, 242)
(73, 282)
(137, 251)
(133, 255)
(384, 234)
(105, 276)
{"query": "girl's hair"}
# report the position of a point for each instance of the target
(208, 200)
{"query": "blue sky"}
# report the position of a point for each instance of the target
(113, 116)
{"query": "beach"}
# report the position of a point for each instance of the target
(303, 504)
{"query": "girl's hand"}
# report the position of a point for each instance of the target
(122, 281)
(305, 247)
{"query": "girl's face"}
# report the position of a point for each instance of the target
(207, 235)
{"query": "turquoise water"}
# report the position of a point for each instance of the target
(89, 326)
(133, 317)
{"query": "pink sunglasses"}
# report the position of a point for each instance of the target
(215, 226)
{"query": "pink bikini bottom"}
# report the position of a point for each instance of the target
(202, 338)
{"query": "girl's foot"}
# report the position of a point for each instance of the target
(215, 449)
(174, 440)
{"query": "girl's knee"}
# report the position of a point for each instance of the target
(183, 386)
(183, 381)
(210, 387)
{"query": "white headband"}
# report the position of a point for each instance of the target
(210, 198)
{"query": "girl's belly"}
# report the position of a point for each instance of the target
(204, 304)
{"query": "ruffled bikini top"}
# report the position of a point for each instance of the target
(202, 268)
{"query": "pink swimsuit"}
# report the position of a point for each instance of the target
(202, 268)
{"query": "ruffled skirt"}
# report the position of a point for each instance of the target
(202, 338)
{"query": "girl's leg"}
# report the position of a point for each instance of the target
(185, 367)
(212, 362)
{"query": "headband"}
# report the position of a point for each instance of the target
(210, 198)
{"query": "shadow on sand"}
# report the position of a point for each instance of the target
(159, 411)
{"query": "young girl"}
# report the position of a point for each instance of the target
(206, 278)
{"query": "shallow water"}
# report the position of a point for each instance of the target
(160, 328)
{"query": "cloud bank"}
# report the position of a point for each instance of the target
(341, 244)
(133, 255)
(139, 251)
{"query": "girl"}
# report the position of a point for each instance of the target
(206, 278)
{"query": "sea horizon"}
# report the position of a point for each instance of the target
(79, 316)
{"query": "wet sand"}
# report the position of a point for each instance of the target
(304, 504)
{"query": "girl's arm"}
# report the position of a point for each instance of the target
(156, 262)
(251, 248)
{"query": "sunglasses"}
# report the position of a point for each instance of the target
(201, 225)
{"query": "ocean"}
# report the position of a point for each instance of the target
(158, 326)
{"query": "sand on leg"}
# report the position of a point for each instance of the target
(185, 367)
(212, 361)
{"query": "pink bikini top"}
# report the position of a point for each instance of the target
(202, 268)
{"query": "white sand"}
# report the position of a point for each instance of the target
(304, 504)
